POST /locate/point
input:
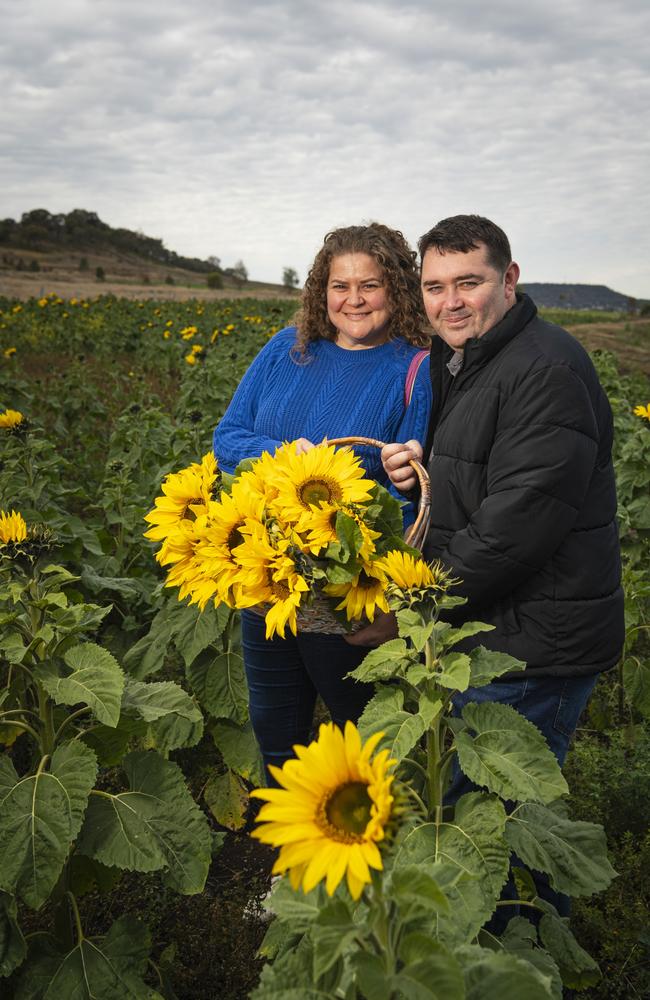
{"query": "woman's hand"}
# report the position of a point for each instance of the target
(381, 630)
(395, 459)
(303, 445)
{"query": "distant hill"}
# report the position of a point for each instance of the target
(551, 296)
(82, 231)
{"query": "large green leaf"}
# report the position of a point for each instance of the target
(414, 887)
(488, 664)
(573, 853)
(227, 799)
(454, 671)
(508, 754)
(196, 630)
(40, 816)
(96, 680)
(238, 747)
(12, 943)
(384, 712)
(431, 975)
(491, 975)
(332, 933)
(636, 678)
(98, 969)
(470, 851)
(219, 683)
(577, 968)
(381, 664)
(174, 718)
(156, 825)
(520, 939)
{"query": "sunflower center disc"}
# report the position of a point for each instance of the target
(317, 491)
(280, 589)
(345, 813)
(235, 538)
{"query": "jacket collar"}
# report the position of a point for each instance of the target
(483, 349)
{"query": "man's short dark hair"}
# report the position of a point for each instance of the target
(462, 233)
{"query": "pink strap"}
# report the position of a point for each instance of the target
(411, 375)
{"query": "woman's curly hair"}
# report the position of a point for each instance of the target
(397, 261)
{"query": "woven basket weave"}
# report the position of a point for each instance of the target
(318, 616)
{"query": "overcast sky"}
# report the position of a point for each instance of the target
(249, 129)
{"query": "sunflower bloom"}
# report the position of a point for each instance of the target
(11, 418)
(365, 595)
(186, 494)
(331, 811)
(12, 527)
(227, 519)
(642, 411)
(320, 476)
(269, 576)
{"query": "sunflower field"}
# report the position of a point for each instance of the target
(130, 781)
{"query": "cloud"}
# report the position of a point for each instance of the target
(250, 130)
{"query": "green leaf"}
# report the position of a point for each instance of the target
(95, 583)
(174, 718)
(227, 799)
(384, 712)
(380, 664)
(414, 886)
(290, 978)
(577, 968)
(574, 854)
(508, 755)
(455, 671)
(411, 625)
(296, 906)
(219, 683)
(40, 816)
(97, 680)
(471, 854)
(436, 976)
(372, 975)
(636, 680)
(238, 748)
(156, 825)
(520, 939)
(196, 630)
(12, 943)
(466, 630)
(104, 969)
(491, 975)
(333, 932)
(487, 664)
(110, 744)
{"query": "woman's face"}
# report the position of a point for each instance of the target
(357, 301)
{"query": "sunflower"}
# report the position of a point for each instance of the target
(11, 418)
(227, 520)
(269, 576)
(331, 810)
(364, 595)
(316, 477)
(12, 527)
(186, 494)
(639, 411)
(317, 529)
(411, 580)
(179, 550)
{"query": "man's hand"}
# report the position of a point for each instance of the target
(395, 459)
(381, 630)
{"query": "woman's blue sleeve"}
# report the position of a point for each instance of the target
(234, 438)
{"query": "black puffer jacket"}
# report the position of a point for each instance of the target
(523, 495)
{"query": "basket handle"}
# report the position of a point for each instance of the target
(416, 534)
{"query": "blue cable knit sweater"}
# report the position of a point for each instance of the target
(327, 392)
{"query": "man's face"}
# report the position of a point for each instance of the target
(464, 296)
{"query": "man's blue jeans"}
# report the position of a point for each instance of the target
(554, 705)
(285, 675)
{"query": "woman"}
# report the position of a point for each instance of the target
(341, 371)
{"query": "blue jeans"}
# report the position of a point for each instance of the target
(285, 675)
(554, 705)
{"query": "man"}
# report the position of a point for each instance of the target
(523, 493)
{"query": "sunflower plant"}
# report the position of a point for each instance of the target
(68, 710)
(392, 892)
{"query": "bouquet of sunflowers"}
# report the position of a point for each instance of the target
(285, 533)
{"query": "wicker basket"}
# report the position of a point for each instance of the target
(318, 616)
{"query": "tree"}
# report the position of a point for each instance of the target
(238, 272)
(290, 278)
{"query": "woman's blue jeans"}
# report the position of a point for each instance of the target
(554, 705)
(285, 675)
